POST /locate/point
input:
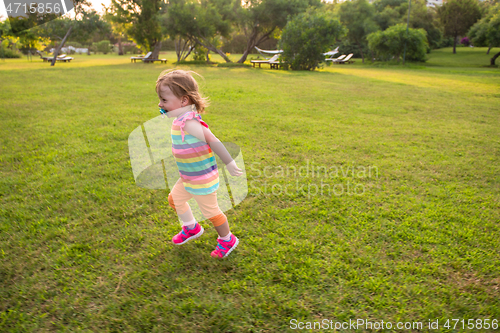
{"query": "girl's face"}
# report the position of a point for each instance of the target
(168, 101)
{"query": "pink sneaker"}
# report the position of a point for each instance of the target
(225, 247)
(186, 235)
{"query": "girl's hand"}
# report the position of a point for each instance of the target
(233, 169)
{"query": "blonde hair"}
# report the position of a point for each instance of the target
(182, 84)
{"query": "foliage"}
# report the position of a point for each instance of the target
(9, 53)
(358, 17)
(424, 17)
(91, 25)
(235, 43)
(103, 46)
(482, 33)
(457, 16)
(261, 19)
(347, 47)
(199, 53)
(140, 20)
(23, 39)
(392, 12)
(307, 36)
(391, 43)
(202, 22)
(118, 29)
(486, 32)
(61, 28)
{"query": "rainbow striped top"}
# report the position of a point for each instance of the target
(194, 158)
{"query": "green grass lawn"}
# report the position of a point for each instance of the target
(83, 249)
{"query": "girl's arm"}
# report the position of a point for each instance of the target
(202, 133)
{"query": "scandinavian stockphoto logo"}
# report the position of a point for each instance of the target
(154, 166)
(26, 14)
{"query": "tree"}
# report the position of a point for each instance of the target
(142, 20)
(202, 22)
(260, 19)
(58, 29)
(13, 30)
(392, 12)
(357, 16)
(118, 29)
(391, 42)
(307, 36)
(486, 32)
(457, 16)
(89, 26)
(424, 17)
(64, 26)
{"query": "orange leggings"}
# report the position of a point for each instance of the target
(178, 198)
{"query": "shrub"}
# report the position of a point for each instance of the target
(390, 43)
(446, 42)
(307, 36)
(465, 41)
(103, 46)
(9, 53)
(199, 53)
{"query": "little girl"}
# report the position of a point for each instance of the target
(193, 146)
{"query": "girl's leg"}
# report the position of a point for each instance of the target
(226, 241)
(210, 209)
(223, 230)
(177, 199)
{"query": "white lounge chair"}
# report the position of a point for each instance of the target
(332, 52)
(269, 61)
(134, 59)
(61, 57)
(64, 58)
(335, 59)
(347, 60)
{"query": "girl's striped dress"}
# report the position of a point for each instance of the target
(195, 159)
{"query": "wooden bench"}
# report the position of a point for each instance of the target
(153, 60)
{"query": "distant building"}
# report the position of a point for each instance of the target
(434, 3)
(68, 49)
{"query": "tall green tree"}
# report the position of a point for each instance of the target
(307, 36)
(424, 17)
(261, 19)
(457, 16)
(118, 29)
(358, 17)
(203, 22)
(91, 25)
(486, 32)
(142, 20)
(392, 12)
